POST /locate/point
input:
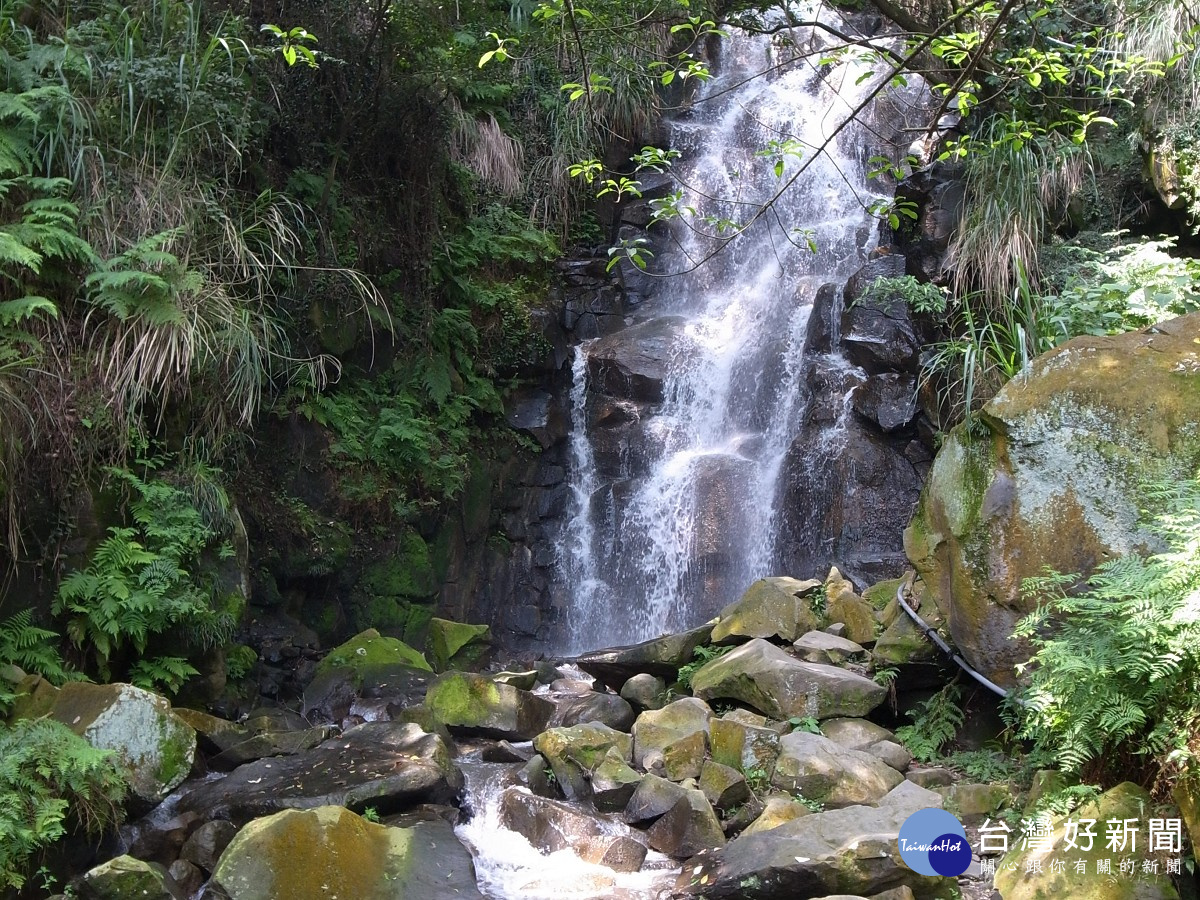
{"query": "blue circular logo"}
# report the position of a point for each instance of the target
(933, 842)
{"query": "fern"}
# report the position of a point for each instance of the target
(50, 781)
(936, 722)
(33, 649)
(701, 656)
(1117, 662)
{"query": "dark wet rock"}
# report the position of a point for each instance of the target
(594, 706)
(654, 797)
(632, 363)
(207, 843)
(540, 415)
(228, 745)
(620, 853)
(888, 400)
(689, 827)
(549, 825)
(644, 691)
(661, 657)
(385, 765)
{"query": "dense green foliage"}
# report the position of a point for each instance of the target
(1116, 673)
(51, 781)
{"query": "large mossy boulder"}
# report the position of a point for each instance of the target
(329, 851)
(368, 651)
(761, 675)
(830, 774)
(475, 704)
(1027, 873)
(771, 607)
(657, 729)
(1050, 473)
(851, 851)
(152, 744)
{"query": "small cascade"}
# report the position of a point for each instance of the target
(508, 867)
(689, 515)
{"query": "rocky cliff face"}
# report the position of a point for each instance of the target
(1051, 474)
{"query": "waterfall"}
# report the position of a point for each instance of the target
(687, 516)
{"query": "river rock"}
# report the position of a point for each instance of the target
(152, 744)
(125, 877)
(828, 649)
(632, 363)
(1126, 801)
(345, 672)
(894, 754)
(329, 851)
(771, 607)
(1054, 479)
(656, 729)
(574, 753)
(385, 765)
(830, 774)
(456, 645)
(620, 853)
(655, 796)
(843, 605)
(781, 686)
(723, 786)
(855, 734)
(777, 811)
(187, 877)
(852, 849)
(613, 782)
(207, 843)
(661, 657)
(593, 706)
(688, 827)
(742, 746)
(879, 335)
(474, 704)
(683, 759)
(645, 691)
(230, 744)
(549, 825)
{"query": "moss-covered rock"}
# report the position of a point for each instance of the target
(657, 729)
(771, 607)
(466, 702)
(369, 651)
(153, 745)
(661, 657)
(1028, 874)
(829, 773)
(574, 753)
(124, 878)
(778, 685)
(456, 645)
(327, 852)
(1050, 474)
(408, 573)
(843, 605)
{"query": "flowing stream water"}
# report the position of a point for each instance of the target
(674, 537)
(691, 518)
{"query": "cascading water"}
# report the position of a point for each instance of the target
(690, 518)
